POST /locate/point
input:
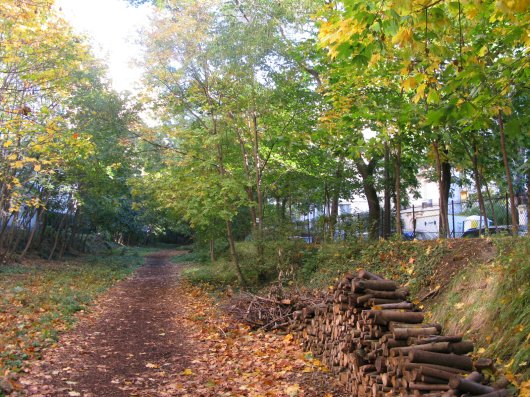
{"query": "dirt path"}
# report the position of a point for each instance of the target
(127, 346)
(155, 335)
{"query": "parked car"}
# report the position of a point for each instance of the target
(476, 232)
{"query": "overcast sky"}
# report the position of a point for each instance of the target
(112, 28)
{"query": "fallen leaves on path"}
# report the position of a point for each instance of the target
(231, 360)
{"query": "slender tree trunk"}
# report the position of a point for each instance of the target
(528, 192)
(397, 172)
(32, 233)
(334, 211)
(43, 230)
(57, 234)
(387, 193)
(374, 209)
(446, 181)
(283, 208)
(515, 217)
(11, 233)
(490, 200)
(259, 191)
(212, 250)
(478, 185)
(229, 232)
(84, 244)
(75, 229)
(442, 189)
(26, 225)
(233, 253)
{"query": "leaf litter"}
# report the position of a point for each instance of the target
(156, 335)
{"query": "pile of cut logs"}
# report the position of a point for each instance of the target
(375, 340)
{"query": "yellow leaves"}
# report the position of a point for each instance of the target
(420, 93)
(253, 363)
(151, 365)
(18, 164)
(470, 12)
(508, 6)
(409, 84)
(483, 51)
(406, 68)
(37, 167)
(333, 34)
(524, 391)
(374, 59)
(8, 143)
(293, 390)
(403, 37)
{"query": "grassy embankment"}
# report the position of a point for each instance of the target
(39, 299)
(479, 287)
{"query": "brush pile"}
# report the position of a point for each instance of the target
(273, 310)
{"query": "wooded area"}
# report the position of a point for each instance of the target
(257, 110)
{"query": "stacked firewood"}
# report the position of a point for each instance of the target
(376, 341)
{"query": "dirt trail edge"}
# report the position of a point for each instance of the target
(127, 346)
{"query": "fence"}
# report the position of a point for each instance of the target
(423, 222)
(466, 219)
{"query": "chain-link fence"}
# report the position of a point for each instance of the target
(465, 217)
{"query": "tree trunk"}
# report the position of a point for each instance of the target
(441, 170)
(478, 185)
(57, 234)
(528, 192)
(446, 182)
(32, 233)
(26, 225)
(387, 194)
(259, 191)
(283, 207)
(334, 211)
(397, 172)
(374, 209)
(515, 217)
(233, 253)
(492, 204)
(212, 250)
(11, 233)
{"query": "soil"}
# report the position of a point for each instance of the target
(460, 254)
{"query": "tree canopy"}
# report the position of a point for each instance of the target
(261, 112)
